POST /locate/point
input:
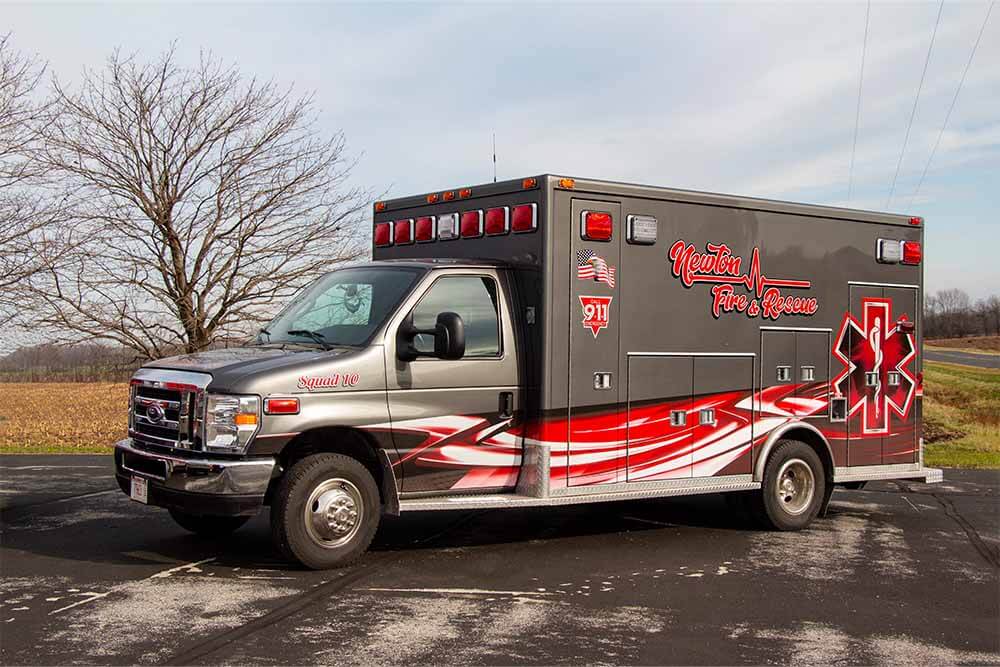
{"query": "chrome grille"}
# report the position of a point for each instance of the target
(165, 407)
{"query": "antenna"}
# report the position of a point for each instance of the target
(494, 157)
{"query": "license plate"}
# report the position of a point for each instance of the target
(140, 490)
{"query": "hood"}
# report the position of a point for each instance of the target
(229, 365)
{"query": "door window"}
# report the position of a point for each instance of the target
(474, 298)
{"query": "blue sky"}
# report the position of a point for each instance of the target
(755, 99)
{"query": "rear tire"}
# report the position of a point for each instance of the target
(326, 511)
(793, 489)
(208, 525)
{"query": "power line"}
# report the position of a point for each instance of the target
(857, 114)
(952, 107)
(913, 112)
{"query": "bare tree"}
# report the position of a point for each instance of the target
(23, 215)
(197, 198)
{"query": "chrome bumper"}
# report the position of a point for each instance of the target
(208, 477)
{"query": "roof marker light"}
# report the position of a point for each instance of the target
(448, 196)
(433, 198)
(379, 206)
(529, 183)
(404, 232)
(524, 218)
(472, 224)
(425, 229)
(497, 221)
(595, 226)
(567, 183)
(383, 234)
(916, 220)
(465, 193)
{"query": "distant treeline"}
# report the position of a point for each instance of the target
(952, 314)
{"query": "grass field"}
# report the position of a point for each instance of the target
(980, 344)
(961, 416)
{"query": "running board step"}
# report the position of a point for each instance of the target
(571, 496)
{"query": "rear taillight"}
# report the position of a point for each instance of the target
(596, 226)
(383, 234)
(912, 252)
(472, 224)
(281, 406)
(424, 229)
(497, 221)
(524, 218)
(404, 232)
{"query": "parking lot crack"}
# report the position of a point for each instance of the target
(985, 550)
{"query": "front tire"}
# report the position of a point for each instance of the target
(208, 525)
(326, 511)
(793, 488)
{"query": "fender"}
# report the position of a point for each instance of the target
(777, 434)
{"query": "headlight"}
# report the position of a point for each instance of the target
(230, 422)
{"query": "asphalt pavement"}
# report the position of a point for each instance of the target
(899, 573)
(960, 357)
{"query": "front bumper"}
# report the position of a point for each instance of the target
(196, 486)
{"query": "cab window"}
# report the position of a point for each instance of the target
(474, 298)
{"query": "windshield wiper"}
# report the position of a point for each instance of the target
(315, 335)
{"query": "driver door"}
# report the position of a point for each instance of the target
(452, 419)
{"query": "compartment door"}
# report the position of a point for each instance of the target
(901, 363)
(596, 431)
(661, 424)
(722, 439)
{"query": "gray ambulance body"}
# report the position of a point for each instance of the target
(547, 341)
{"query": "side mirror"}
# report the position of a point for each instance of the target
(449, 338)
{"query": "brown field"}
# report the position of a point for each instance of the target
(972, 344)
(72, 417)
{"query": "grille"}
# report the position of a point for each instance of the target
(162, 417)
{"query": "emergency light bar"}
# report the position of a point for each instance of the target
(425, 229)
(404, 232)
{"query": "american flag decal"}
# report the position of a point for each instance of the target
(590, 266)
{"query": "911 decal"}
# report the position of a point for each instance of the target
(596, 312)
(722, 269)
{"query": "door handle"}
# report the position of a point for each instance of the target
(506, 408)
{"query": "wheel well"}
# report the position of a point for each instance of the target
(335, 440)
(814, 440)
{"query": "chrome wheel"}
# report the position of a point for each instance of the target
(795, 487)
(333, 513)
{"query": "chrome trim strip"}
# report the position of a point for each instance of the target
(817, 329)
(867, 284)
(891, 471)
(155, 377)
(691, 354)
(632, 491)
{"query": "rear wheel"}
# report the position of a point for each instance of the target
(208, 525)
(793, 488)
(326, 511)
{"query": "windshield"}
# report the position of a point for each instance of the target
(341, 308)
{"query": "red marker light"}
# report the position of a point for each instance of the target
(524, 218)
(404, 232)
(448, 196)
(472, 224)
(596, 226)
(432, 198)
(425, 229)
(497, 221)
(465, 193)
(916, 221)
(379, 206)
(912, 253)
(281, 406)
(383, 234)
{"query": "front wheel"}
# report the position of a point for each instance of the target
(326, 511)
(794, 487)
(208, 525)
